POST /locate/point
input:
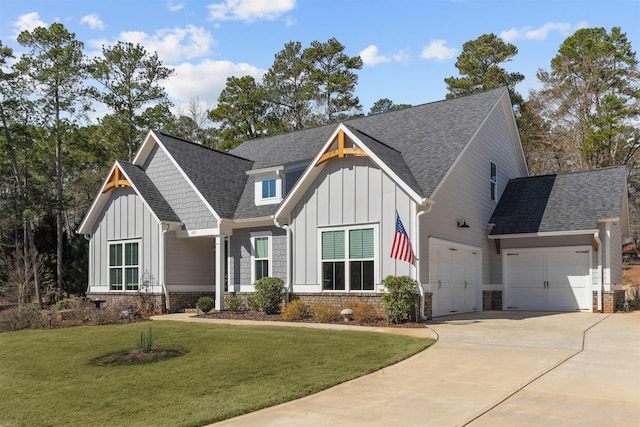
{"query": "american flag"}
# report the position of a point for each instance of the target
(401, 248)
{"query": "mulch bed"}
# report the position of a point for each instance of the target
(259, 316)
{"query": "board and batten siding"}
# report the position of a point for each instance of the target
(190, 264)
(123, 217)
(177, 192)
(348, 192)
(465, 195)
(239, 274)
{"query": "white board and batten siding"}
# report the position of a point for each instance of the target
(465, 195)
(348, 192)
(124, 217)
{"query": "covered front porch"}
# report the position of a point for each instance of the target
(195, 266)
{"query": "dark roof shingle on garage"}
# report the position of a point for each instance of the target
(560, 202)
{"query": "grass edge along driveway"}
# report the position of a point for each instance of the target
(46, 376)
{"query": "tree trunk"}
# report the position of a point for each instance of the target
(28, 245)
(59, 202)
(59, 219)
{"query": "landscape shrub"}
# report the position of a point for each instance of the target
(295, 310)
(324, 312)
(205, 304)
(25, 316)
(399, 298)
(146, 341)
(233, 303)
(63, 304)
(363, 312)
(269, 293)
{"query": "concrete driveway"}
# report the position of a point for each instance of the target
(491, 369)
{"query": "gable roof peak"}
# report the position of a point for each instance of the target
(186, 141)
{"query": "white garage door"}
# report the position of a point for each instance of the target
(547, 279)
(454, 273)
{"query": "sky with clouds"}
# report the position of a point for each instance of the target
(408, 47)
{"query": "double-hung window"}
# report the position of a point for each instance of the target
(269, 188)
(261, 250)
(124, 266)
(494, 181)
(333, 260)
(361, 253)
(348, 259)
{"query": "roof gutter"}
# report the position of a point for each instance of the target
(542, 234)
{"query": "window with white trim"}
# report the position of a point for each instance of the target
(124, 265)
(269, 188)
(261, 257)
(348, 259)
(494, 181)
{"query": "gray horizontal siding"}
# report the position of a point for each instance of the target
(465, 194)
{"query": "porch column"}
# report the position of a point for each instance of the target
(219, 272)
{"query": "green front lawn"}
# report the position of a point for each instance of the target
(46, 376)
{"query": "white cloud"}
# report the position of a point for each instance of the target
(94, 22)
(249, 10)
(371, 58)
(206, 79)
(28, 22)
(540, 33)
(438, 51)
(401, 56)
(174, 7)
(172, 44)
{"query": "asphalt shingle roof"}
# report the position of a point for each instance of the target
(563, 202)
(220, 177)
(418, 143)
(149, 192)
(429, 137)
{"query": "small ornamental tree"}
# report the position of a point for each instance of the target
(399, 298)
(269, 293)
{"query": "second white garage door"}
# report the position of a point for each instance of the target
(549, 279)
(454, 272)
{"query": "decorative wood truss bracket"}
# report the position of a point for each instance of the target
(341, 151)
(116, 180)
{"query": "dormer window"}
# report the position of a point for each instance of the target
(268, 185)
(269, 189)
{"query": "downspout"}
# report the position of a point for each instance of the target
(87, 237)
(422, 292)
(165, 228)
(287, 284)
(596, 237)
